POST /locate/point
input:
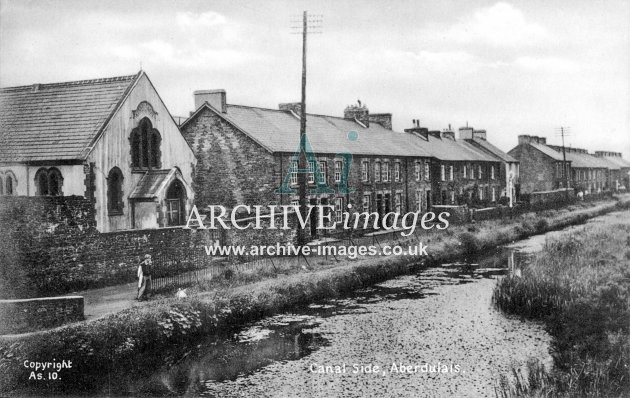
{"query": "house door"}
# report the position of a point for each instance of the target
(175, 199)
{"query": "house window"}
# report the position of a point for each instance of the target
(397, 202)
(365, 171)
(443, 173)
(480, 193)
(450, 172)
(114, 191)
(338, 209)
(465, 171)
(472, 172)
(48, 182)
(377, 171)
(145, 146)
(492, 172)
(417, 170)
(338, 166)
(175, 204)
(452, 197)
(419, 200)
(311, 171)
(480, 173)
(426, 171)
(385, 172)
(366, 203)
(294, 174)
(397, 171)
(494, 194)
(322, 172)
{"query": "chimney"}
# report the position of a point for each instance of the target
(448, 133)
(384, 119)
(525, 139)
(216, 99)
(466, 133)
(357, 112)
(418, 131)
(436, 133)
(296, 107)
(479, 134)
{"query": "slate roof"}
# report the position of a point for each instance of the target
(278, 131)
(618, 161)
(492, 149)
(581, 159)
(548, 151)
(452, 150)
(150, 185)
(154, 182)
(57, 121)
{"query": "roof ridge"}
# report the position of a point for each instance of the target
(283, 111)
(73, 83)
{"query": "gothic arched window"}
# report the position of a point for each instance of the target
(145, 146)
(114, 191)
(9, 182)
(48, 182)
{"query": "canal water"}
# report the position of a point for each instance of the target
(434, 333)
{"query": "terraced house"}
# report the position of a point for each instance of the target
(463, 173)
(620, 169)
(543, 168)
(109, 140)
(245, 153)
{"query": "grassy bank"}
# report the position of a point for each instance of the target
(129, 344)
(579, 285)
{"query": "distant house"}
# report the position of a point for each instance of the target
(541, 168)
(589, 174)
(620, 169)
(110, 140)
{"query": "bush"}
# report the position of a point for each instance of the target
(541, 225)
(470, 246)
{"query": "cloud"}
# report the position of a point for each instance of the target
(500, 25)
(205, 19)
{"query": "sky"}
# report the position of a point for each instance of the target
(509, 67)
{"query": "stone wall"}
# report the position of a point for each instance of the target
(537, 170)
(50, 246)
(231, 168)
(19, 316)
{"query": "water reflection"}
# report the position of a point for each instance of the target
(290, 336)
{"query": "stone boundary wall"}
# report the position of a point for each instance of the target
(537, 198)
(26, 315)
(50, 246)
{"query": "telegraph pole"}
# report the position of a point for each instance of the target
(563, 132)
(302, 166)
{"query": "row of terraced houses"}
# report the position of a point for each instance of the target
(114, 142)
